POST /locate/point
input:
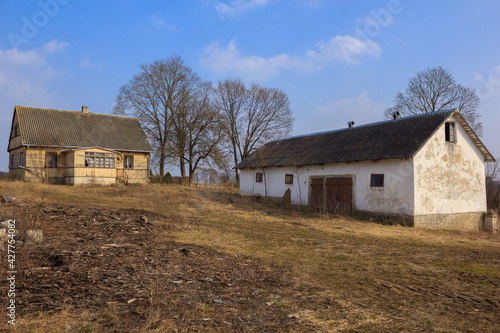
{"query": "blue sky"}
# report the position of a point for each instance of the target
(337, 60)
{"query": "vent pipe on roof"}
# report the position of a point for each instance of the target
(395, 115)
(85, 109)
(350, 124)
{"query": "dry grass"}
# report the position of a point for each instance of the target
(367, 277)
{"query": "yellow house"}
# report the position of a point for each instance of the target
(73, 147)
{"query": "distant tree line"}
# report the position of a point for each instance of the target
(190, 121)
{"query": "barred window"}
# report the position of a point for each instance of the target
(377, 180)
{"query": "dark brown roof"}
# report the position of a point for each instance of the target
(74, 129)
(389, 139)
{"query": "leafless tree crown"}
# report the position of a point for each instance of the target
(251, 116)
(435, 89)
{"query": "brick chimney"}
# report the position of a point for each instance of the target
(85, 109)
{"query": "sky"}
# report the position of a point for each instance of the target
(337, 60)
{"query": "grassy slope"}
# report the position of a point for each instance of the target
(368, 277)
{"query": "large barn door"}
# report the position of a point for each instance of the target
(339, 195)
(317, 193)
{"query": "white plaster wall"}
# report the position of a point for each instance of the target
(449, 177)
(396, 197)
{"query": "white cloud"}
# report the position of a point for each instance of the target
(229, 59)
(85, 63)
(25, 77)
(157, 21)
(54, 46)
(346, 49)
(237, 7)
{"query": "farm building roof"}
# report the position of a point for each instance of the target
(398, 138)
(75, 129)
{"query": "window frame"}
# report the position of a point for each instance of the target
(450, 130)
(51, 159)
(289, 179)
(99, 160)
(11, 162)
(21, 159)
(259, 177)
(377, 180)
(128, 162)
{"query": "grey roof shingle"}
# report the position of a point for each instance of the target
(74, 129)
(400, 138)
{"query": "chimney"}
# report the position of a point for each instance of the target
(350, 124)
(85, 109)
(395, 115)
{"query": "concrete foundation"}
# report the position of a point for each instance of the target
(462, 221)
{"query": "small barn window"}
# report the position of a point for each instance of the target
(52, 160)
(21, 159)
(128, 162)
(289, 179)
(450, 134)
(258, 177)
(377, 180)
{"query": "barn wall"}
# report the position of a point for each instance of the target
(450, 191)
(396, 197)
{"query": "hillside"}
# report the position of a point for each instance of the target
(168, 258)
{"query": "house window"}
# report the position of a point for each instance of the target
(51, 160)
(11, 162)
(128, 162)
(258, 177)
(289, 179)
(450, 133)
(377, 180)
(21, 159)
(99, 160)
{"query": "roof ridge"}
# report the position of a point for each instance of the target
(75, 111)
(426, 114)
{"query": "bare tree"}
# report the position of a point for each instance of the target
(252, 116)
(433, 90)
(152, 96)
(196, 130)
(493, 185)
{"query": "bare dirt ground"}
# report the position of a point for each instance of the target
(179, 259)
(112, 265)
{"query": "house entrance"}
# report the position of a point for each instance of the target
(332, 194)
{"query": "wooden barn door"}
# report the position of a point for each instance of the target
(339, 195)
(317, 193)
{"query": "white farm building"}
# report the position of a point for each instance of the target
(426, 170)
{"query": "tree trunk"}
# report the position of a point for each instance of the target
(162, 159)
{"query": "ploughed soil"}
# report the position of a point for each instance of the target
(111, 267)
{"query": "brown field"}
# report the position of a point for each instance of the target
(168, 258)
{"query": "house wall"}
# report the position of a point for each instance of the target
(71, 168)
(396, 197)
(450, 191)
(85, 175)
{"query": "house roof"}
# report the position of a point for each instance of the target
(75, 129)
(391, 139)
